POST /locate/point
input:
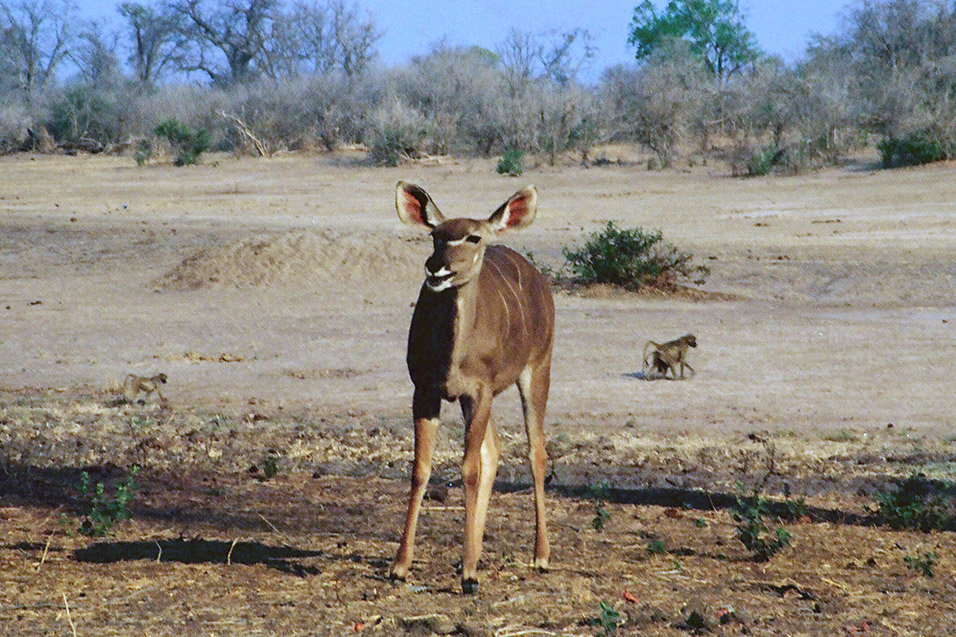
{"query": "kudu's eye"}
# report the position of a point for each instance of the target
(473, 238)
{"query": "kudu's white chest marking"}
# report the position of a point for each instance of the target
(484, 321)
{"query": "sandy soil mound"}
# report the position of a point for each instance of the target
(298, 257)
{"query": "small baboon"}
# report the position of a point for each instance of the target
(134, 384)
(667, 356)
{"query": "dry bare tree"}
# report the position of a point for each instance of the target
(225, 39)
(154, 39)
(317, 38)
(94, 54)
(34, 40)
(653, 103)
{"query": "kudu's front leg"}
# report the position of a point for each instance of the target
(426, 410)
(482, 451)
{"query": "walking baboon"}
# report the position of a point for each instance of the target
(667, 356)
(134, 384)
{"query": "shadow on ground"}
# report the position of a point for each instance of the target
(200, 551)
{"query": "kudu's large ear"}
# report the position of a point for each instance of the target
(516, 213)
(415, 207)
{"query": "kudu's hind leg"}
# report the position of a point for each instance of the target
(426, 412)
(533, 385)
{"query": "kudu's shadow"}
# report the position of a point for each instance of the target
(200, 551)
(56, 488)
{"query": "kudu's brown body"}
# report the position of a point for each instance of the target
(484, 320)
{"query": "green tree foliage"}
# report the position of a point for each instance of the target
(188, 144)
(715, 30)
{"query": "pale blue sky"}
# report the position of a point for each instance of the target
(782, 27)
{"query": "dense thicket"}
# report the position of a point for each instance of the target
(266, 75)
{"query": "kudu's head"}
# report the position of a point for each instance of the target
(459, 244)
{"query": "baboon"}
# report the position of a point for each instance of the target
(667, 355)
(134, 384)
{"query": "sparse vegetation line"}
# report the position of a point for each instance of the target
(303, 76)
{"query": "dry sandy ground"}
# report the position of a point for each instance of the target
(846, 283)
(277, 293)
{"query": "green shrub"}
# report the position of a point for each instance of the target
(761, 162)
(143, 152)
(913, 505)
(391, 146)
(657, 548)
(919, 147)
(748, 514)
(270, 467)
(397, 132)
(794, 510)
(511, 162)
(632, 259)
(922, 564)
(600, 493)
(608, 620)
(188, 144)
(105, 511)
(83, 113)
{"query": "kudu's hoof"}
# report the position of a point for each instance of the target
(395, 579)
(469, 586)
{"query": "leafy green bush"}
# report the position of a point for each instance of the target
(657, 548)
(511, 162)
(608, 620)
(143, 152)
(188, 144)
(389, 148)
(794, 510)
(748, 514)
(398, 132)
(600, 493)
(761, 162)
(913, 505)
(632, 259)
(919, 147)
(923, 563)
(105, 511)
(82, 113)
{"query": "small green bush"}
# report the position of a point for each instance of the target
(632, 259)
(391, 146)
(608, 620)
(919, 147)
(748, 514)
(913, 505)
(105, 511)
(761, 162)
(657, 548)
(188, 144)
(511, 163)
(143, 153)
(794, 510)
(600, 493)
(83, 113)
(922, 564)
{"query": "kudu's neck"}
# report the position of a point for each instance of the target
(441, 333)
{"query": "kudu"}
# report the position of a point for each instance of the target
(484, 320)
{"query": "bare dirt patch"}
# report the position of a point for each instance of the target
(294, 258)
(276, 295)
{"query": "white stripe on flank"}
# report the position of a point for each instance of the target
(513, 291)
